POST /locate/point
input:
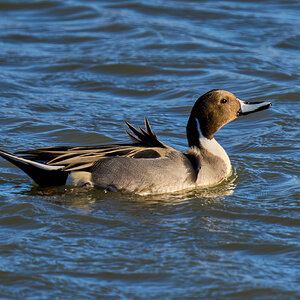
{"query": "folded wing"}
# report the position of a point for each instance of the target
(146, 145)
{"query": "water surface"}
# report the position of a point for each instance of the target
(72, 71)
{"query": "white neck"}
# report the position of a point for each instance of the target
(216, 149)
(213, 147)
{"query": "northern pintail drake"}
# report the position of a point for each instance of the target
(146, 166)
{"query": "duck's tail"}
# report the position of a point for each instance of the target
(42, 174)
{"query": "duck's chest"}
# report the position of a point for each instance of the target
(214, 162)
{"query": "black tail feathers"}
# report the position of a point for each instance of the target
(43, 174)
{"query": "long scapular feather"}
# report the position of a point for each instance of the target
(145, 137)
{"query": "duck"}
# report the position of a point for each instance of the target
(146, 165)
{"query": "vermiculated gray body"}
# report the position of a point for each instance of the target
(144, 175)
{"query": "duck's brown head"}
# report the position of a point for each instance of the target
(215, 109)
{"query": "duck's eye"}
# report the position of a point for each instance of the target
(223, 101)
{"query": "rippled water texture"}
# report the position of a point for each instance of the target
(72, 71)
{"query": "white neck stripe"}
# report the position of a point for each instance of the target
(198, 127)
(213, 147)
(216, 149)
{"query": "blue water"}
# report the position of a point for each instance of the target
(72, 71)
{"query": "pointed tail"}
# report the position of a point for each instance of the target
(42, 174)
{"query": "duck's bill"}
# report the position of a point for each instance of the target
(250, 107)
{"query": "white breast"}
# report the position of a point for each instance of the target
(216, 149)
